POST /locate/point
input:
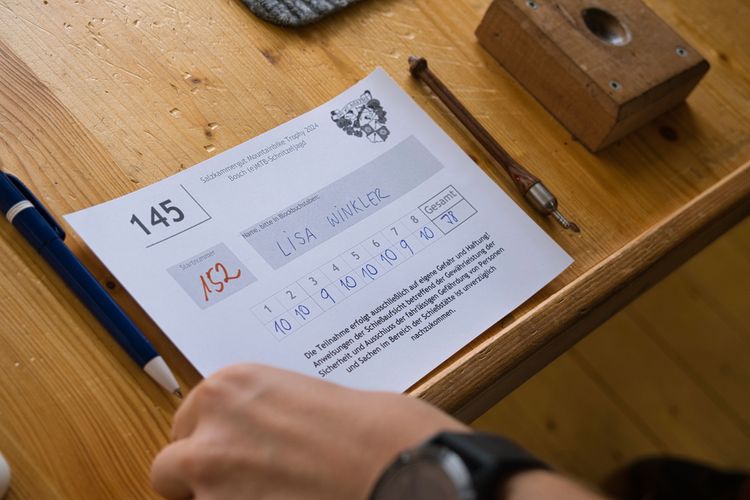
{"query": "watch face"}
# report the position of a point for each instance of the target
(429, 473)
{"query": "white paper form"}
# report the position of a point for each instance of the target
(356, 243)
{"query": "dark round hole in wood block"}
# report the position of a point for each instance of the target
(668, 133)
(605, 26)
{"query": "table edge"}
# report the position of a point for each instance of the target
(473, 381)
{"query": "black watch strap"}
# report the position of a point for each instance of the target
(491, 459)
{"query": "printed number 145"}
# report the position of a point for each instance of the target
(160, 217)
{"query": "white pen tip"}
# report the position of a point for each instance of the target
(158, 370)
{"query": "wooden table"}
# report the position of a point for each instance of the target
(100, 98)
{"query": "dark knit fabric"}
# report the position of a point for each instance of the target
(295, 12)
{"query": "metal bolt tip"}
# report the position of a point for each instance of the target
(564, 222)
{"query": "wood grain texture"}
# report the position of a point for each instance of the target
(100, 98)
(565, 417)
(468, 387)
(666, 375)
(651, 380)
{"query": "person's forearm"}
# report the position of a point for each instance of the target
(536, 484)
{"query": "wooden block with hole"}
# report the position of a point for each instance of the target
(602, 67)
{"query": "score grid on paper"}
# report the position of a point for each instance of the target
(356, 243)
(296, 305)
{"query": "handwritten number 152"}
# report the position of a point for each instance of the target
(216, 282)
(158, 217)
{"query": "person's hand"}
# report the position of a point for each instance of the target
(255, 432)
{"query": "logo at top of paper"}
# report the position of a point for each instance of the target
(363, 116)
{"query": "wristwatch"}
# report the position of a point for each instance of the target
(454, 466)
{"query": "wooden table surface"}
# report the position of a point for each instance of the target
(100, 98)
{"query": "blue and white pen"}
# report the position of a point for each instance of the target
(24, 211)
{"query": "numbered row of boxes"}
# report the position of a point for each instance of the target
(299, 303)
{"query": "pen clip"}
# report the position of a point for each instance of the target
(37, 204)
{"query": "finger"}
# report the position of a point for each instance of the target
(206, 397)
(168, 474)
(227, 384)
(186, 417)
